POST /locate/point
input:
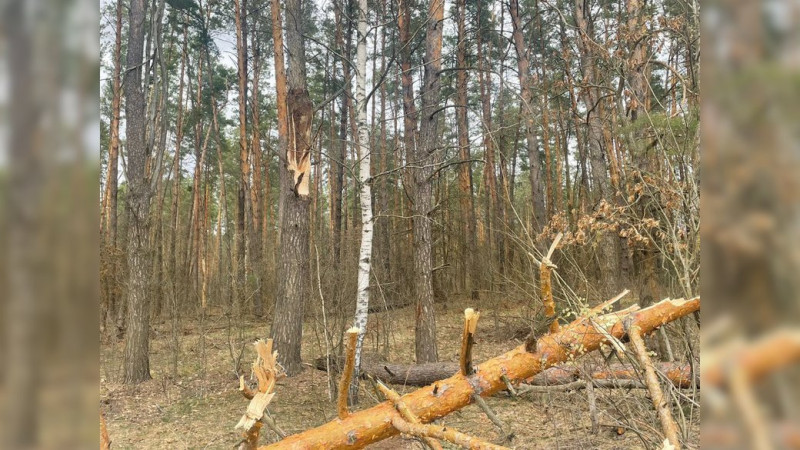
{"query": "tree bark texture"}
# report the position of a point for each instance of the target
(137, 345)
(294, 270)
(365, 194)
(466, 198)
(426, 158)
(240, 14)
(528, 118)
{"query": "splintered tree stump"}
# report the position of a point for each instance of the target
(443, 397)
(267, 372)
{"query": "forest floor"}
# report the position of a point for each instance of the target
(200, 411)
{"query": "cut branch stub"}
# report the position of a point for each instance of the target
(547, 294)
(468, 339)
(347, 373)
(545, 280)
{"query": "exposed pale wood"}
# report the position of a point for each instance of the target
(347, 373)
(441, 432)
(445, 396)
(660, 403)
(267, 372)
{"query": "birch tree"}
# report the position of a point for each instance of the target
(365, 194)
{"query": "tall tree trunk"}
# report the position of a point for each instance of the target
(287, 328)
(137, 349)
(426, 158)
(175, 214)
(24, 206)
(528, 117)
(365, 195)
(109, 209)
(337, 163)
(201, 142)
(502, 226)
(409, 119)
(383, 226)
(256, 243)
(489, 174)
(608, 255)
(240, 11)
(466, 198)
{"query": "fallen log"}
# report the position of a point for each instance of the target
(680, 374)
(424, 374)
(405, 374)
(443, 397)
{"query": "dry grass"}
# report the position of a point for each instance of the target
(198, 411)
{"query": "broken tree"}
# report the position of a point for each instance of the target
(440, 399)
(267, 371)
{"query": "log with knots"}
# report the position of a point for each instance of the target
(412, 413)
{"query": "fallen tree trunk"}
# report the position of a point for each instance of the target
(424, 374)
(405, 374)
(680, 374)
(443, 397)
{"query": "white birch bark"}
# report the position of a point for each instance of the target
(365, 196)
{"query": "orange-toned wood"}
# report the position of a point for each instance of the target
(443, 397)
